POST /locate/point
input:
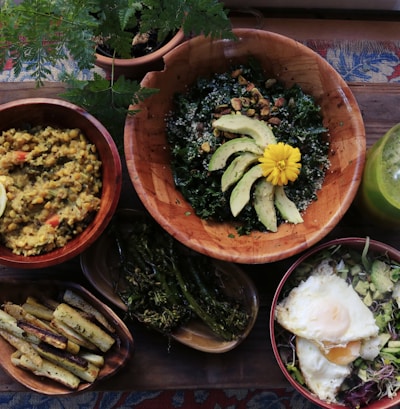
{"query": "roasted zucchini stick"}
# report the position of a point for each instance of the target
(95, 359)
(19, 313)
(56, 340)
(23, 346)
(38, 310)
(47, 369)
(73, 363)
(78, 302)
(83, 326)
(72, 335)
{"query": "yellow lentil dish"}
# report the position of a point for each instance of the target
(52, 179)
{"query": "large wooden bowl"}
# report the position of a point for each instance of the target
(58, 113)
(148, 157)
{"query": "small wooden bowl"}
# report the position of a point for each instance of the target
(58, 113)
(100, 265)
(116, 358)
(148, 156)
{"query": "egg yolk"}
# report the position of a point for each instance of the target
(343, 355)
(330, 318)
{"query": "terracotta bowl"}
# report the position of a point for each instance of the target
(44, 111)
(148, 156)
(136, 68)
(375, 248)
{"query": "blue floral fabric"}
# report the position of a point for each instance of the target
(284, 398)
(356, 61)
(362, 61)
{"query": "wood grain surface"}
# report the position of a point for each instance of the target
(159, 364)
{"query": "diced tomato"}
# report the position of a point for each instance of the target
(54, 220)
(20, 156)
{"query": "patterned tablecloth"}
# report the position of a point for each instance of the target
(356, 61)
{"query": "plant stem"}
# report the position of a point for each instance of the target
(52, 18)
(202, 314)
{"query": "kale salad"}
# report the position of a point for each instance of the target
(293, 116)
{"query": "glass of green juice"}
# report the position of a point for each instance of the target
(379, 194)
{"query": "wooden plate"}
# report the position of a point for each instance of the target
(115, 358)
(148, 156)
(100, 266)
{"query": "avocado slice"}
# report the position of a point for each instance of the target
(242, 124)
(380, 276)
(286, 207)
(264, 193)
(236, 169)
(220, 156)
(240, 195)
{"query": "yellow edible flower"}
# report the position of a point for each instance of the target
(280, 163)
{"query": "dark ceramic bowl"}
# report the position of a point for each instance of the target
(280, 348)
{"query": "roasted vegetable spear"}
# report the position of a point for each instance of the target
(166, 284)
(150, 294)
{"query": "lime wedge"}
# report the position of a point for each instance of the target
(3, 199)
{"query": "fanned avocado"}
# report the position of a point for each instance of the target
(242, 124)
(220, 156)
(286, 207)
(236, 169)
(240, 195)
(266, 196)
(264, 204)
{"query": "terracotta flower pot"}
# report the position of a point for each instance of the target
(136, 68)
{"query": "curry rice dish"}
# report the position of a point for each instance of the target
(52, 179)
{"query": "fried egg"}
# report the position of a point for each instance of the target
(322, 376)
(327, 310)
(333, 327)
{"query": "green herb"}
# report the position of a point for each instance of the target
(41, 33)
(297, 121)
(107, 100)
(164, 284)
(207, 17)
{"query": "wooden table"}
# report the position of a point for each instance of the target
(158, 364)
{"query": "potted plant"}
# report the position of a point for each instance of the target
(36, 34)
(42, 32)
